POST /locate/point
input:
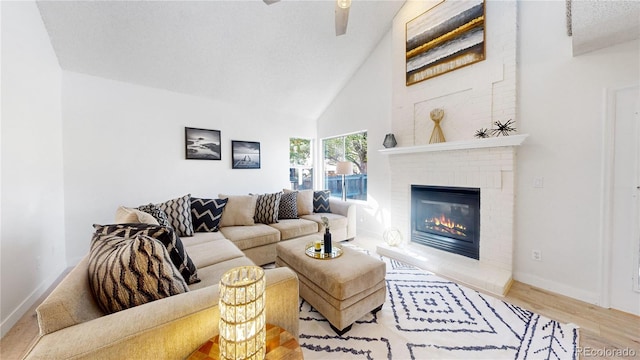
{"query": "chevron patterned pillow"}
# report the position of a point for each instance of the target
(179, 213)
(206, 214)
(288, 208)
(321, 201)
(267, 208)
(177, 252)
(127, 272)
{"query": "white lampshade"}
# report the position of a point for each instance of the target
(344, 168)
(344, 4)
(242, 318)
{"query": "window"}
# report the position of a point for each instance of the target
(300, 164)
(352, 148)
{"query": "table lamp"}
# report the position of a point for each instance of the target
(242, 318)
(344, 168)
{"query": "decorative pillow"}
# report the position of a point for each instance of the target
(267, 208)
(288, 208)
(159, 215)
(179, 214)
(239, 210)
(125, 215)
(305, 201)
(206, 214)
(321, 201)
(166, 236)
(127, 272)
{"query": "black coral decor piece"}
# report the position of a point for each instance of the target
(482, 133)
(166, 236)
(206, 214)
(321, 201)
(503, 129)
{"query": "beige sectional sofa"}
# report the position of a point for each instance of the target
(72, 325)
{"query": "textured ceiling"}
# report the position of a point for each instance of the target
(599, 24)
(283, 57)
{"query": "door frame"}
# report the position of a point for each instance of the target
(606, 237)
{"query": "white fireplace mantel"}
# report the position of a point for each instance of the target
(513, 140)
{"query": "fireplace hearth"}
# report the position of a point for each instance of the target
(446, 218)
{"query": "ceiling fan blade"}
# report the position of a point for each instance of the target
(269, 2)
(342, 18)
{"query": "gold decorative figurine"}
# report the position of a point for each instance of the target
(437, 136)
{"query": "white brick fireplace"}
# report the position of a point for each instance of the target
(487, 164)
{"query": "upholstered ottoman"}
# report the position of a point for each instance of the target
(342, 289)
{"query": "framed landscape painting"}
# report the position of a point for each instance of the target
(202, 144)
(446, 37)
(245, 154)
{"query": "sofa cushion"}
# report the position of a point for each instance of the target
(288, 208)
(157, 213)
(129, 271)
(212, 252)
(212, 274)
(206, 214)
(246, 237)
(304, 200)
(267, 208)
(166, 236)
(321, 201)
(293, 228)
(179, 214)
(239, 210)
(125, 215)
(199, 238)
(335, 221)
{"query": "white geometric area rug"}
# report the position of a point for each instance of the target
(427, 317)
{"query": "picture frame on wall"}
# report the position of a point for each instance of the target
(245, 154)
(202, 144)
(446, 37)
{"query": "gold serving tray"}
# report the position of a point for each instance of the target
(336, 251)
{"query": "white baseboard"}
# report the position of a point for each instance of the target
(558, 288)
(27, 303)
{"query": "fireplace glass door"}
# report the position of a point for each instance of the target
(446, 218)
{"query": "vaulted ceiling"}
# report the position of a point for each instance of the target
(283, 57)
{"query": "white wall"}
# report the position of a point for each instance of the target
(559, 104)
(561, 101)
(124, 145)
(365, 104)
(33, 233)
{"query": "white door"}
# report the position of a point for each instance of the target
(625, 221)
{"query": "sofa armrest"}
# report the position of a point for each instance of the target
(348, 210)
(170, 328)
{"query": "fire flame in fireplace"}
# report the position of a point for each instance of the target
(443, 224)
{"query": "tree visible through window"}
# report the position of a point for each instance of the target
(352, 148)
(300, 164)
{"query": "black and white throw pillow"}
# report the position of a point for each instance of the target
(206, 214)
(288, 208)
(177, 252)
(159, 215)
(267, 208)
(179, 214)
(129, 271)
(321, 201)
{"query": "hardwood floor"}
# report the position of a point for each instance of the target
(602, 331)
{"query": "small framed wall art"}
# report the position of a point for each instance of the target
(202, 144)
(245, 154)
(446, 37)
